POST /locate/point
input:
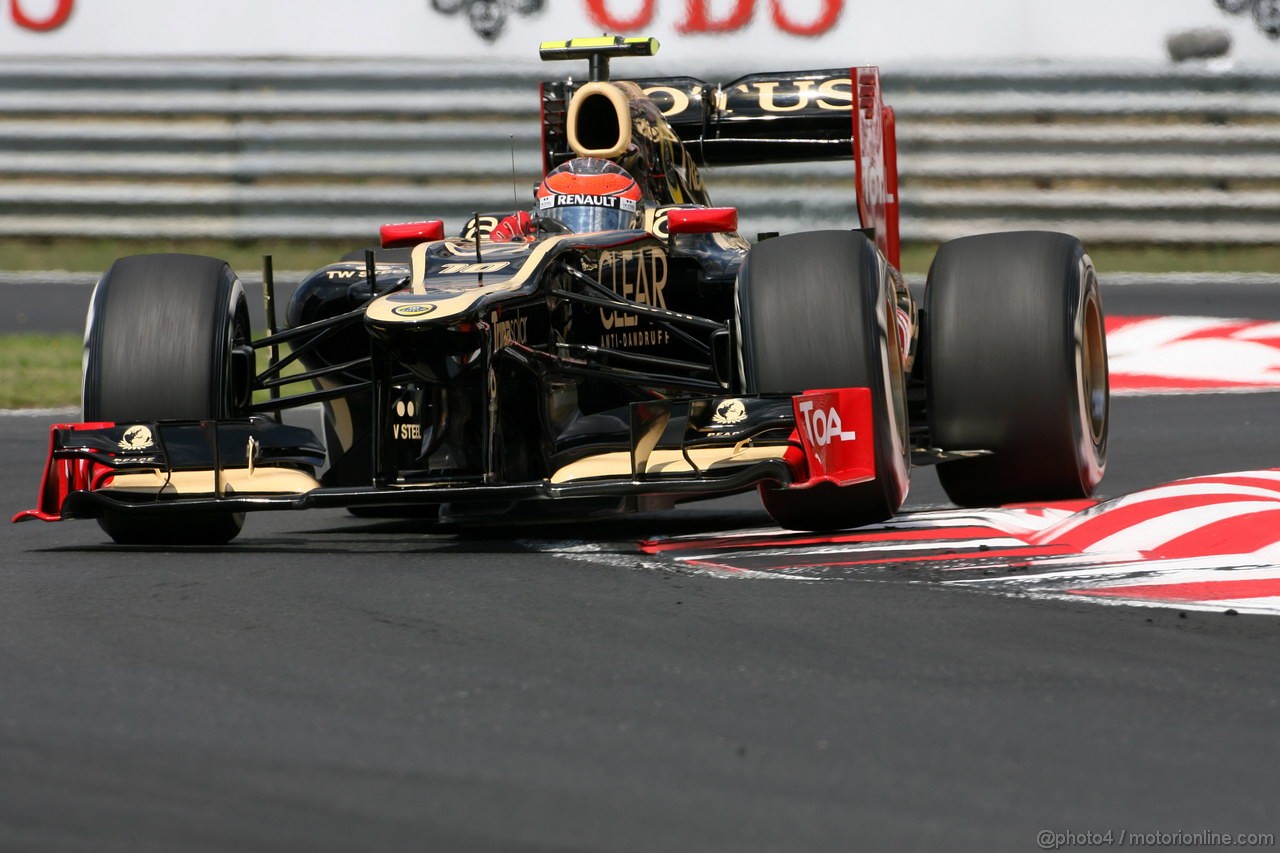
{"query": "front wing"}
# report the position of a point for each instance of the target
(730, 444)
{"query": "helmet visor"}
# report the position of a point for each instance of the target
(598, 213)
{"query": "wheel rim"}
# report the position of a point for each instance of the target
(1093, 365)
(897, 376)
(241, 366)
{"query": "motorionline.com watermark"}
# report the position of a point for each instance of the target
(1047, 839)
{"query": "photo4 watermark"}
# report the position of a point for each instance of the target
(1048, 839)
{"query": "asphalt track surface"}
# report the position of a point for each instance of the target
(329, 683)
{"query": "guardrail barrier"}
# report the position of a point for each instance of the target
(291, 149)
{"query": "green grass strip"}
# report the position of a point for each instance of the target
(43, 371)
(40, 371)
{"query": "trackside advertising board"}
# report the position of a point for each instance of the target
(694, 33)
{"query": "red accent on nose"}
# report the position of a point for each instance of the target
(403, 234)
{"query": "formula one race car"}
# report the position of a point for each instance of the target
(617, 347)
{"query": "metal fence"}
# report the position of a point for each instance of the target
(289, 149)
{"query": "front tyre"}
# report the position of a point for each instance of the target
(816, 310)
(168, 338)
(1017, 365)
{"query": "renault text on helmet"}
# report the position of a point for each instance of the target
(588, 194)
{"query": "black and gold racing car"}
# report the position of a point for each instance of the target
(533, 365)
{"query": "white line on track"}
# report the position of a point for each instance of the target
(36, 413)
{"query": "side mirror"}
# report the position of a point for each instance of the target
(702, 220)
(404, 234)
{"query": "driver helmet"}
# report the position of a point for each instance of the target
(589, 194)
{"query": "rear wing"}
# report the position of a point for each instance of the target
(784, 117)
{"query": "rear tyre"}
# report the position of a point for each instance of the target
(168, 337)
(1017, 365)
(816, 311)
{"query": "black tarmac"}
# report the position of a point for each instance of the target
(331, 683)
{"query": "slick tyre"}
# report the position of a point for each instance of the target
(815, 311)
(1017, 365)
(168, 338)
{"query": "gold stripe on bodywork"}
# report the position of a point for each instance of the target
(670, 462)
(444, 306)
(418, 267)
(263, 481)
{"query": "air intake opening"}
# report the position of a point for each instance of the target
(598, 125)
(599, 121)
